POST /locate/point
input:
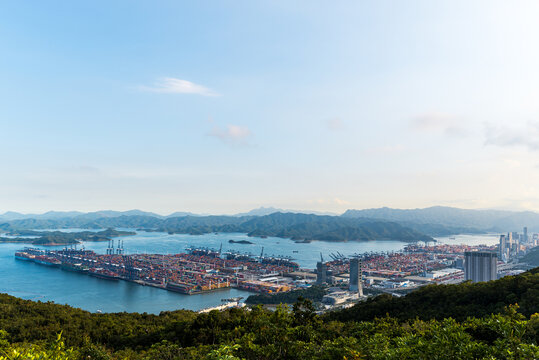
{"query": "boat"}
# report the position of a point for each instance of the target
(234, 299)
(203, 251)
(47, 261)
(74, 267)
(243, 242)
(182, 288)
(104, 274)
(24, 256)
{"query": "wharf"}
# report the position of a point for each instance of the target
(192, 273)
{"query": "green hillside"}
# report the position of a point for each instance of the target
(457, 322)
(532, 257)
(284, 225)
(455, 301)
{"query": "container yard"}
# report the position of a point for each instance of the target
(200, 270)
(196, 271)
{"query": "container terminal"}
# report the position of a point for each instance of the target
(201, 270)
(195, 271)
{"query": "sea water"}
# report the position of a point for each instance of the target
(41, 283)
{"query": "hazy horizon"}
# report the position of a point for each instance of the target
(218, 108)
(209, 213)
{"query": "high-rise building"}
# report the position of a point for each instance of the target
(525, 233)
(502, 247)
(480, 266)
(356, 275)
(516, 236)
(321, 273)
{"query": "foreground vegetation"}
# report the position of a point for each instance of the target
(445, 330)
(314, 294)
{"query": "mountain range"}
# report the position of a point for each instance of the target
(51, 215)
(266, 221)
(439, 219)
(285, 225)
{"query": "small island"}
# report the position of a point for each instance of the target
(54, 238)
(243, 242)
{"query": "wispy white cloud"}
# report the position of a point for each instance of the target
(328, 201)
(525, 136)
(170, 85)
(334, 124)
(438, 122)
(341, 201)
(385, 150)
(231, 134)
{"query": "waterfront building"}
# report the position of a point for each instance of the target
(321, 273)
(480, 266)
(356, 272)
(459, 263)
(337, 298)
(512, 236)
(502, 247)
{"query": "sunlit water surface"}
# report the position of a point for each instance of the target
(36, 282)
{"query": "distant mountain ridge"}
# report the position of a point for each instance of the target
(285, 225)
(432, 221)
(463, 220)
(50, 215)
(261, 211)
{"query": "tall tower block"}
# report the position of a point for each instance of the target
(480, 266)
(356, 275)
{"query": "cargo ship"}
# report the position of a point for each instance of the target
(182, 288)
(75, 268)
(104, 274)
(47, 261)
(234, 255)
(21, 255)
(203, 252)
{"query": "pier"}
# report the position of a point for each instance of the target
(196, 271)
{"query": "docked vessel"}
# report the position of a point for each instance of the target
(104, 274)
(47, 261)
(74, 267)
(187, 289)
(203, 252)
(21, 255)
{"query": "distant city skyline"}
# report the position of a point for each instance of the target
(225, 107)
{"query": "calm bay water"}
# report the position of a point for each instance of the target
(481, 239)
(35, 282)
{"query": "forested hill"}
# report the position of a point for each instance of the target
(532, 257)
(455, 301)
(285, 225)
(392, 330)
(438, 220)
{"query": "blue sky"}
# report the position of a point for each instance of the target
(223, 106)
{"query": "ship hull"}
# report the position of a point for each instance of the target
(22, 258)
(104, 277)
(46, 263)
(74, 269)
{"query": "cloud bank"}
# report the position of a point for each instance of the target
(438, 122)
(170, 85)
(335, 124)
(526, 136)
(231, 134)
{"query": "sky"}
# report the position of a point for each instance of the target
(225, 106)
